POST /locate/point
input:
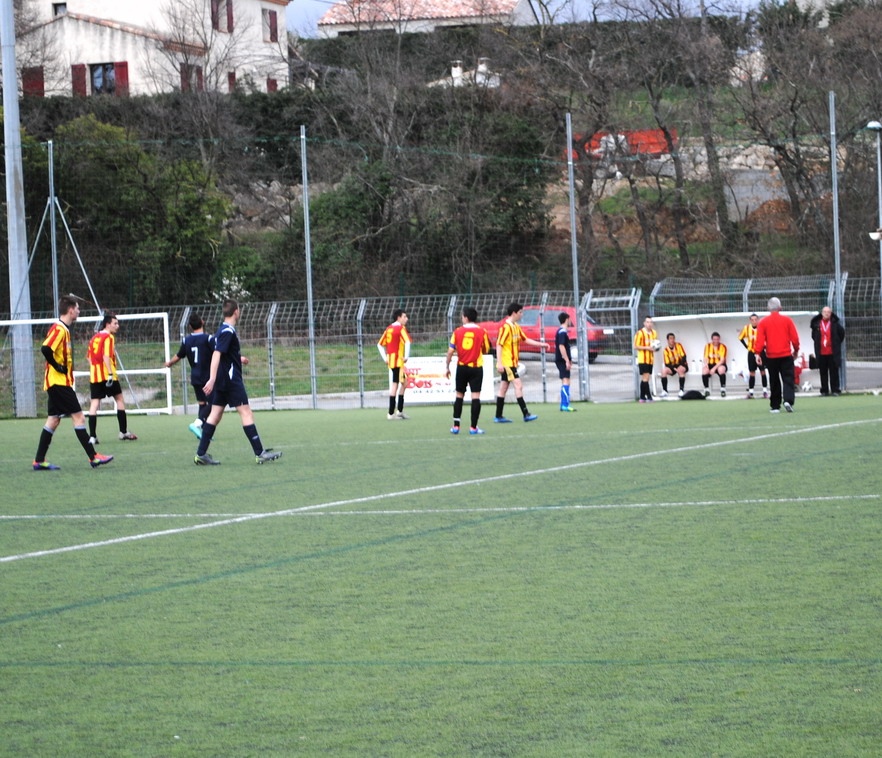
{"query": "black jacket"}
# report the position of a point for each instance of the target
(837, 334)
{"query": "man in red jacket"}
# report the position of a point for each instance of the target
(776, 345)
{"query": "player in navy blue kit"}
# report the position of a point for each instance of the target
(563, 360)
(225, 386)
(197, 349)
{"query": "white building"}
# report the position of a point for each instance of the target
(121, 47)
(401, 16)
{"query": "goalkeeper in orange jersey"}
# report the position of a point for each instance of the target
(103, 381)
(394, 347)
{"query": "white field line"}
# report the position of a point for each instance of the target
(432, 488)
(798, 500)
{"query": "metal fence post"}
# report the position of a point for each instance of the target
(584, 360)
(359, 330)
(270, 353)
(450, 311)
(745, 295)
(543, 301)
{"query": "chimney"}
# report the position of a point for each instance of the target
(456, 73)
(482, 75)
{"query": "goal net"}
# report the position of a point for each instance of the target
(142, 347)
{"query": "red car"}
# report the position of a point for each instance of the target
(530, 324)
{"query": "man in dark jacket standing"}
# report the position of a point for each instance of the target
(828, 333)
(776, 344)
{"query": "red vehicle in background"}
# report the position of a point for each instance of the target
(547, 331)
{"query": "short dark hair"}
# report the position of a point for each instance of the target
(470, 313)
(671, 334)
(398, 313)
(562, 317)
(106, 319)
(65, 303)
(513, 308)
(753, 315)
(230, 307)
(196, 321)
(714, 334)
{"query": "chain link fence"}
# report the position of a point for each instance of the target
(342, 368)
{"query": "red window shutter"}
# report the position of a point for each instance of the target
(215, 15)
(200, 84)
(272, 85)
(78, 79)
(185, 77)
(231, 81)
(32, 82)
(274, 27)
(229, 15)
(121, 72)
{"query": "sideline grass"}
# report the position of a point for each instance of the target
(677, 579)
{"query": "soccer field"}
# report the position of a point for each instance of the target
(679, 579)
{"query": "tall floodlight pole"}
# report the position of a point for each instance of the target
(838, 300)
(308, 251)
(875, 126)
(24, 398)
(581, 334)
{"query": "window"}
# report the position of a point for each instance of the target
(103, 78)
(59, 9)
(272, 85)
(270, 26)
(32, 82)
(191, 78)
(231, 81)
(222, 15)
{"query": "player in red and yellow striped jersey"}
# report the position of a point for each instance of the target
(58, 382)
(714, 364)
(646, 343)
(508, 343)
(394, 347)
(470, 342)
(747, 337)
(674, 362)
(103, 381)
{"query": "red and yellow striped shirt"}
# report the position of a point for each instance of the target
(395, 340)
(101, 345)
(509, 340)
(643, 343)
(714, 354)
(748, 337)
(58, 340)
(675, 355)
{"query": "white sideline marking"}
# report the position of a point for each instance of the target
(431, 488)
(436, 511)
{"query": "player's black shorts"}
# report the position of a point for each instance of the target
(712, 366)
(63, 401)
(199, 393)
(509, 373)
(644, 368)
(232, 395)
(751, 362)
(396, 375)
(674, 366)
(562, 370)
(469, 376)
(99, 390)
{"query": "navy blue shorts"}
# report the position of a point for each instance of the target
(199, 393)
(232, 395)
(562, 370)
